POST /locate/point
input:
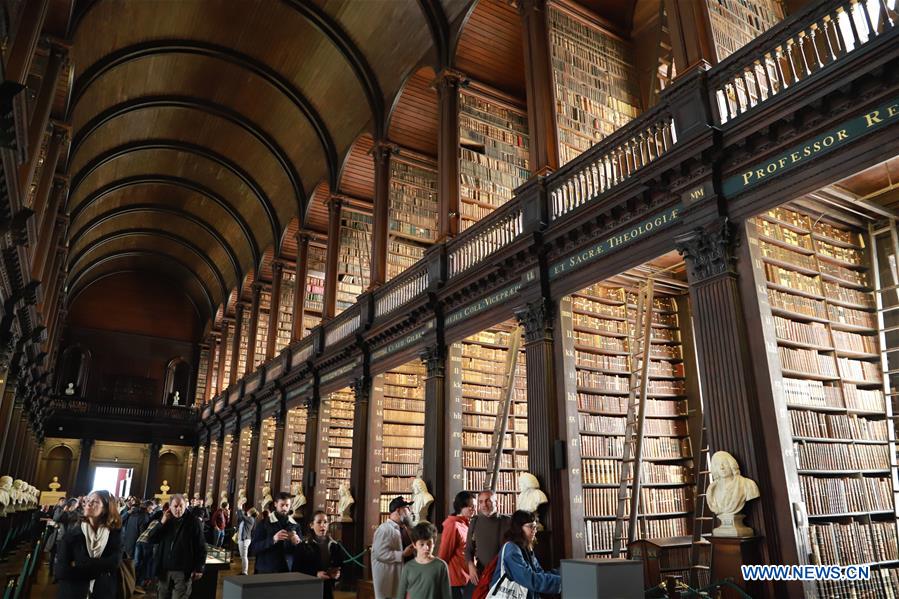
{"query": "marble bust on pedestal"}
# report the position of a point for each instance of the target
(727, 494)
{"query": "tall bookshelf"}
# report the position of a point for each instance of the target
(735, 23)
(266, 456)
(226, 474)
(229, 358)
(819, 297)
(213, 376)
(354, 257)
(265, 308)
(242, 475)
(603, 326)
(593, 82)
(482, 375)
(294, 449)
(413, 213)
(493, 159)
(200, 478)
(202, 377)
(335, 448)
(211, 461)
(188, 488)
(244, 343)
(283, 330)
(403, 431)
(315, 281)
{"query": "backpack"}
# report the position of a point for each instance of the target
(480, 591)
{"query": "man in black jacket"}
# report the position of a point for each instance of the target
(275, 538)
(182, 550)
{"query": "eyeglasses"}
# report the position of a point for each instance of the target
(530, 525)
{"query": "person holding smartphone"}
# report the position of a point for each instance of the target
(275, 538)
(319, 555)
(181, 553)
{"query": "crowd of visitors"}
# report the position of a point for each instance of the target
(480, 552)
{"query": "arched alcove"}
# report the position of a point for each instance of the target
(74, 369)
(177, 383)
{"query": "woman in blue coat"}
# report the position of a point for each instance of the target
(518, 562)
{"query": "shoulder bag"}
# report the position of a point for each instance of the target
(505, 587)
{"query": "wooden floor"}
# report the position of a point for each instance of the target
(43, 588)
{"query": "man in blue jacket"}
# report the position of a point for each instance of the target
(275, 538)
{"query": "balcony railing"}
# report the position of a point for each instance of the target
(811, 41)
(486, 237)
(786, 56)
(85, 408)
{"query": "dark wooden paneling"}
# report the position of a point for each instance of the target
(490, 47)
(357, 177)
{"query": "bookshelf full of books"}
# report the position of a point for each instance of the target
(315, 280)
(242, 475)
(284, 326)
(243, 346)
(211, 462)
(493, 158)
(354, 256)
(413, 213)
(225, 476)
(335, 448)
(294, 449)
(735, 23)
(603, 327)
(212, 376)
(819, 297)
(265, 308)
(202, 377)
(200, 478)
(593, 83)
(482, 378)
(266, 454)
(229, 358)
(403, 431)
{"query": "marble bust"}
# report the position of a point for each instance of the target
(208, 499)
(266, 498)
(241, 498)
(6, 500)
(421, 500)
(345, 501)
(54, 484)
(727, 494)
(299, 500)
(70, 389)
(530, 497)
(16, 494)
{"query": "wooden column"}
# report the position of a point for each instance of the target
(448, 83)
(730, 399)
(382, 151)
(278, 451)
(330, 300)
(299, 290)
(40, 117)
(6, 413)
(542, 135)
(310, 452)
(218, 466)
(204, 475)
(82, 476)
(12, 449)
(253, 329)
(543, 423)
(436, 450)
(690, 30)
(359, 474)
(233, 465)
(223, 354)
(235, 342)
(152, 469)
(275, 309)
(256, 429)
(192, 475)
(213, 345)
(25, 39)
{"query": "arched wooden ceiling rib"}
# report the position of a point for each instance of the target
(490, 49)
(96, 223)
(184, 249)
(316, 217)
(184, 46)
(413, 119)
(357, 173)
(140, 259)
(188, 148)
(287, 246)
(172, 181)
(169, 234)
(192, 103)
(439, 27)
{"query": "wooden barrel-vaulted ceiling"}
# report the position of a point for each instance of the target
(200, 129)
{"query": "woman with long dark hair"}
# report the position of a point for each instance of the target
(518, 563)
(90, 554)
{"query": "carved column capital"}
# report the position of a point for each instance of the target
(537, 320)
(383, 150)
(708, 251)
(361, 387)
(277, 267)
(434, 359)
(449, 79)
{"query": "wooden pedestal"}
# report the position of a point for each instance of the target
(728, 554)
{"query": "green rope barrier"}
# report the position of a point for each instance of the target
(353, 559)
